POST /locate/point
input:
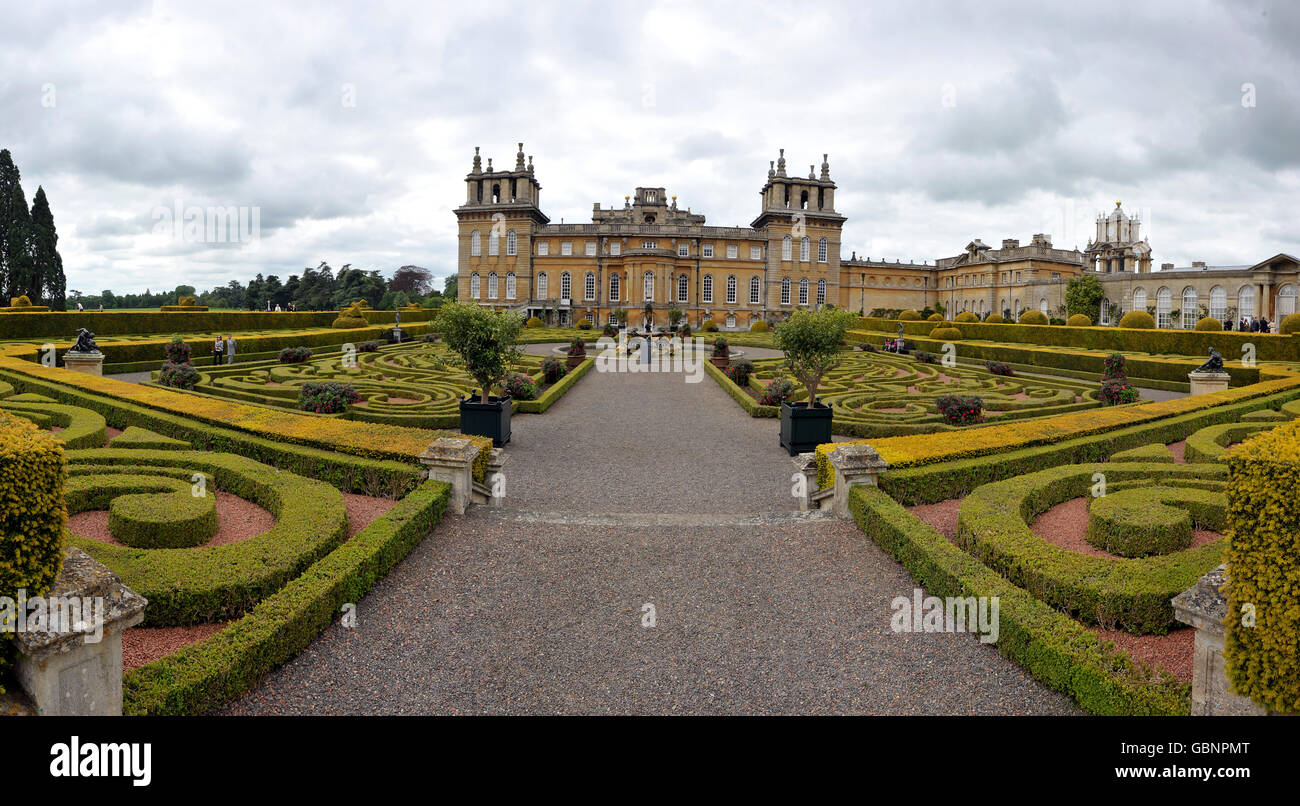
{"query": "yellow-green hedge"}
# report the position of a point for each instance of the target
(1209, 324)
(1290, 324)
(994, 319)
(946, 334)
(1033, 317)
(32, 470)
(1263, 659)
(1078, 320)
(758, 326)
(965, 316)
(1137, 320)
(909, 316)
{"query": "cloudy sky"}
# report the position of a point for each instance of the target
(350, 128)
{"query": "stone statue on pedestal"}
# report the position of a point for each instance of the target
(85, 342)
(1214, 364)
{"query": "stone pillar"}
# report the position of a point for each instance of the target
(854, 464)
(89, 363)
(451, 459)
(496, 477)
(74, 668)
(806, 465)
(1206, 382)
(1204, 607)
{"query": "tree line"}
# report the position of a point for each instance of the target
(30, 264)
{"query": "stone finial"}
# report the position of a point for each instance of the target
(530, 163)
(826, 168)
(489, 170)
(812, 172)
(780, 164)
(478, 162)
(519, 158)
(771, 168)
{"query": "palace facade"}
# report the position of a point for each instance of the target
(650, 257)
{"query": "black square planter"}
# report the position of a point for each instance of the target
(803, 428)
(487, 419)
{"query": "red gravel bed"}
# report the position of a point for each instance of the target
(112, 434)
(363, 510)
(237, 520)
(1171, 652)
(1177, 449)
(942, 517)
(141, 645)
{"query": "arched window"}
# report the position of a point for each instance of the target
(708, 288)
(803, 200)
(1139, 299)
(512, 243)
(753, 290)
(566, 286)
(1042, 306)
(476, 244)
(821, 250)
(785, 290)
(821, 292)
(1164, 303)
(494, 244)
(648, 287)
(1189, 308)
(731, 289)
(1286, 296)
(805, 243)
(615, 292)
(1104, 313)
(510, 285)
(803, 291)
(1219, 303)
(474, 285)
(683, 288)
(787, 244)
(541, 286)
(589, 286)
(492, 285)
(1246, 301)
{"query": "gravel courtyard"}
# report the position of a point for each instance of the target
(640, 490)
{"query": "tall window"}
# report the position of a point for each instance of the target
(786, 244)
(708, 288)
(543, 247)
(732, 250)
(494, 244)
(753, 290)
(683, 287)
(492, 285)
(476, 244)
(1246, 301)
(821, 292)
(1042, 306)
(648, 287)
(541, 286)
(805, 244)
(1139, 299)
(803, 291)
(821, 250)
(706, 250)
(1219, 303)
(785, 290)
(566, 247)
(1286, 297)
(755, 253)
(731, 289)
(683, 250)
(589, 286)
(1164, 302)
(615, 292)
(590, 249)
(474, 285)
(510, 285)
(566, 286)
(512, 243)
(616, 248)
(1189, 308)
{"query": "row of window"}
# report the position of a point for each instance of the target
(985, 279)
(1189, 312)
(615, 247)
(647, 289)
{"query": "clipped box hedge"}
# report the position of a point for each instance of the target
(63, 324)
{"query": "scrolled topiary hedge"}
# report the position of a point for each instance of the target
(1210, 443)
(147, 511)
(1152, 520)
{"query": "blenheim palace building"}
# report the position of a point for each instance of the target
(651, 256)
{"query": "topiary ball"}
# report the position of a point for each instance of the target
(1209, 323)
(994, 319)
(1290, 324)
(936, 317)
(946, 334)
(533, 322)
(1032, 317)
(1079, 320)
(758, 327)
(909, 316)
(1138, 320)
(965, 316)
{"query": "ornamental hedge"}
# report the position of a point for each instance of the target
(63, 324)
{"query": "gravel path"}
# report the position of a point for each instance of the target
(634, 490)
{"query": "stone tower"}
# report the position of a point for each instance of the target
(802, 231)
(496, 226)
(1116, 246)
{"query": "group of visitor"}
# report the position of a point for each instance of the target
(278, 309)
(224, 345)
(1251, 324)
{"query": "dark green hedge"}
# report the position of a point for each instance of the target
(64, 324)
(146, 511)
(555, 392)
(202, 676)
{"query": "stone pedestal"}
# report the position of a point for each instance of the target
(89, 363)
(805, 465)
(854, 464)
(451, 459)
(1205, 608)
(1206, 382)
(74, 666)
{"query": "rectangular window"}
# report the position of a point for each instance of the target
(566, 247)
(589, 287)
(733, 251)
(649, 245)
(706, 250)
(683, 250)
(616, 248)
(755, 253)
(543, 247)
(591, 249)
(708, 288)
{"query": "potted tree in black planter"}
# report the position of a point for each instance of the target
(811, 342)
(486, 342)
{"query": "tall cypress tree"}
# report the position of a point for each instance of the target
(50, 282)
(16, 264)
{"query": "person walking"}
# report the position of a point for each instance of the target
(230, 349)
(218, 347)
(81, 308)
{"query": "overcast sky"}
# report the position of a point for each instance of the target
(351, 128)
